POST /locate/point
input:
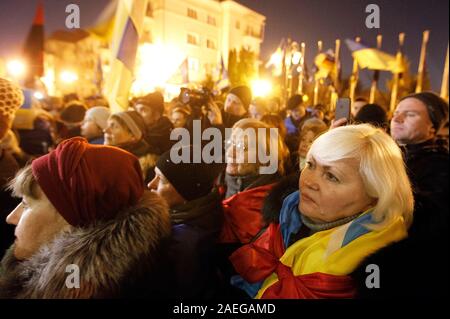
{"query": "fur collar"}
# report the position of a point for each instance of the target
(108, 255)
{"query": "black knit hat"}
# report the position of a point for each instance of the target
(153, 100)
(191, 180)
(437, 107)
(294, 101)
(373, 114)
(244, 94)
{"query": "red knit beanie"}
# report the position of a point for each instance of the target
(88, 182)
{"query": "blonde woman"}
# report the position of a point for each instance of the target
(354, 198)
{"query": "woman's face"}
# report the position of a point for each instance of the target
(239, 163)
(332, 191)
(37, 223)
(233, 105)
(115, 134)
(305, 143)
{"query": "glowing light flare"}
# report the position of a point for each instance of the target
(16, 68)
(68, 77)
(38, 95)
(261, 88)
(156, 64)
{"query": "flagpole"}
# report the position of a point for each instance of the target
(444, 85)
(337, 64)
(302, 70)
(423, 55)
(317, 81)
(376, 74)
(397, 76)
(354, 76)
(284, 73)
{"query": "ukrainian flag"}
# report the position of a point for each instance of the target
(128, 23)
(374, 59)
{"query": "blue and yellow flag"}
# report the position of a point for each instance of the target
(129, 20)
(374, 59)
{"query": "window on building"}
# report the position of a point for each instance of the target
(210, 44)
(192, 13)
(192, 39)
(211, 20)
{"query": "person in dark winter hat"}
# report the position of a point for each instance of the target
(436, 106)
(127, 130)
(373, 114)
(297, 114)
(83, 205)
(243, 93)
(235, 108)
(68, 124)
(158, 126)
(415, 123)
(196, 214)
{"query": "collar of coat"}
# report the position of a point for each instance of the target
(108, 255)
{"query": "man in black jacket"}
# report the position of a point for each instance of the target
(151, 108)
(417, 266)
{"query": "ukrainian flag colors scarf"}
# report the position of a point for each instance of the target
(313, 267)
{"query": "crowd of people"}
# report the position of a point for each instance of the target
(101, 194)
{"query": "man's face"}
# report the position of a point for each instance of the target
(161, 186)
(37, 223)
(356, 106)
(298, 113)
(147, 114)
(411, 123)
(233, 105)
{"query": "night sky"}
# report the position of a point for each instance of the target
(302, 20)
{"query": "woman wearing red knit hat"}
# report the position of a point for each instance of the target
(85, 228)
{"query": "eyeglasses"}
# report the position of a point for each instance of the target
(239, 145)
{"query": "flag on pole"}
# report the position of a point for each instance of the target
(374, 59)
(33, 51)
(128, 25)
(224, 80)
(181, 75)
(324, 64)
(276, 59)
(103, 26)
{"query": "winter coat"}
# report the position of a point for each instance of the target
(242, 211)
(158, 136)
(195, 228)
(408, 268)
(122, 257)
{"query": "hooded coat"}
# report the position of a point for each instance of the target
(122, 257)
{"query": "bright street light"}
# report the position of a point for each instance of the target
(16, 68)
(68, 77)
(261, 88)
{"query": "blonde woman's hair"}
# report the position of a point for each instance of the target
(283, 151)
(381, 167)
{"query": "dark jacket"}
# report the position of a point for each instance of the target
(416, 267)
(117, 258)
(195, 228)
(158, 136)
